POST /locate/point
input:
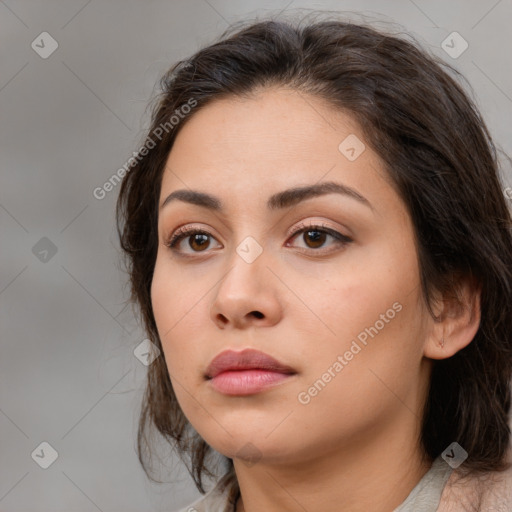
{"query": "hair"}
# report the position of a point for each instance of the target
(440, 158)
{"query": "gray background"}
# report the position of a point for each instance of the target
(68, 375)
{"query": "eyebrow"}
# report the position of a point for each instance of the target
(280, 200)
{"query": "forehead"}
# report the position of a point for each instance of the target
(273, 123)
(273, 140)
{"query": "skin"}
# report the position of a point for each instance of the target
(354, 446)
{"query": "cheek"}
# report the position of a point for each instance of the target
(354, 297)
(376, 381)
(373, 310)
(175, 315)
(174, 312)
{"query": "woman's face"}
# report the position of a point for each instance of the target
(345, 314)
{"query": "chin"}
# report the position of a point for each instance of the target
(249, 446)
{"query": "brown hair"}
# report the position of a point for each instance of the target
(440, 158)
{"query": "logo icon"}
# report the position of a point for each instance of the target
(44, 250)
(351, 147)
(44, 455)
(44, 45)
(249, 454)
(249, 249)
(146, 352)
(454, 45)
(454, 455)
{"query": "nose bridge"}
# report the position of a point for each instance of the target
(247, 291)
(248, 256)
(247, 269)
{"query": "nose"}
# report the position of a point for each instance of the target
(248, 295)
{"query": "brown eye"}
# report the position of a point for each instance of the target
(198, 242)
(317, 238)
(313, 238)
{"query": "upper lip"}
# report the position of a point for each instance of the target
(248, 359)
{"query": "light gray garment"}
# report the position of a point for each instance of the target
(424, 497)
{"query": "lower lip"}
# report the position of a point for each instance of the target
(246, 382)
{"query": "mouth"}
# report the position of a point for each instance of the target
(245, 373)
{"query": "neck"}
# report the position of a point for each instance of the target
(376, 472)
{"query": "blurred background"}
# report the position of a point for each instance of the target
(76, 77)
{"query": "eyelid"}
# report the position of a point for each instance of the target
(315, 224)
(184, 231)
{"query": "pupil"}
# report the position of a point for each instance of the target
(201, 244)
(317, 237)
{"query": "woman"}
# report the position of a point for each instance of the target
(319, 243)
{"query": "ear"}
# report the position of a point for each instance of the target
(458, 320)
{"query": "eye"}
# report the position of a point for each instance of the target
(315, 236)
(198, 239)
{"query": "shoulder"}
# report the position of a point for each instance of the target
(491, 492)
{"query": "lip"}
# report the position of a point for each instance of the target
(246, 372)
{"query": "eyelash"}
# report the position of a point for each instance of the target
(184, 232)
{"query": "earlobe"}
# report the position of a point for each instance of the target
(457, 324)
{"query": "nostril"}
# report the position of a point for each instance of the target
(257, 314)
(223, 319)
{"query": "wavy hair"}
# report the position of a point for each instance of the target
(438, 155)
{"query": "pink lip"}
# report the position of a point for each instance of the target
(246, 372)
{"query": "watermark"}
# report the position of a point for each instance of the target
(146, 352)
(45, 455)
(44, 45)
(249, 249)
(44, 250)
(351, 147)
(454, 45)
(249, 454)
(341, 361)
(454, 455)
(137, 156)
